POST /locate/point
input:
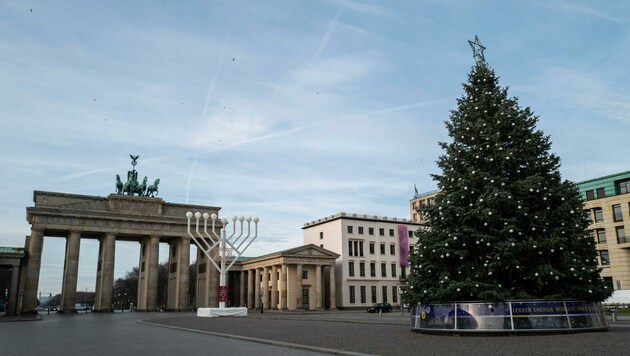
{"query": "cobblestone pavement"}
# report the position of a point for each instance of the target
(390, 334)
(280, 333)
(96, 334)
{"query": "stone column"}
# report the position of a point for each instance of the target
(105, 273)
(241, 290)
(70, 272)
(283, 287)
(274, 287)
(34, 246)
(332, 296)
(265, 284)
(14, 290)
(251, 288)
(257, 288)
(183, 274)
(148, 273)
(318, 287)
(299, 287)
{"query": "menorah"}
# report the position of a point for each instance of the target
(229, 248)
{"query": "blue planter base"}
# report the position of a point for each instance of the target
(511, 317)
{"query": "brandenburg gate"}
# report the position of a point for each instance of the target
(117, 217)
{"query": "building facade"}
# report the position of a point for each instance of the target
(607, 208)
(417, 202)
(373, 251)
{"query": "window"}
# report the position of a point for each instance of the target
(601, 193)
(588, 216)
(382, 249)
(352, 294)
(355, 248)
(603, 256)
(590, 195)
(321, 245)
(393, 270)
(371, 248)
(410, 233)
(601, 236)
(617, 212)
(609, 282)
(321, 235)
(599, 216)
(411, 250)
(372, 269)
(351, 269)
(394, 294)
(350, 229)
(622, 186)
(370, 231)
(403, 272)
(392, 249)
(381, 231)
(305, 297)
(363, 299)
(384, 294)
(304, 274)
(621, 235)
(391, 232)
(383, 269)
(373, 294)
(360, 230)
(362, 269)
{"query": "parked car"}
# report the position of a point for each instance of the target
(384, 307)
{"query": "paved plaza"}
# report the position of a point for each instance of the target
(279, 333)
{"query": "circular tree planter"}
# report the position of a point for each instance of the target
(514, 317)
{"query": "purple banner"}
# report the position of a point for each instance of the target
(403, 245)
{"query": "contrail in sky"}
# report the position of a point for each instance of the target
(204, 113)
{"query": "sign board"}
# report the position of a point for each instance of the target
(223, 293)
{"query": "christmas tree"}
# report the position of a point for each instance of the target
(504, 225)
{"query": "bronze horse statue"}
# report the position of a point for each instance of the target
(119, 185)
(152, 190)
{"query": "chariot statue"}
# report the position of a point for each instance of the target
(132, 186)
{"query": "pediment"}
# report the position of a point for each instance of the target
(309, 250)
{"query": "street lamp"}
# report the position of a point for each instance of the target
(401, 292)
(227, 246)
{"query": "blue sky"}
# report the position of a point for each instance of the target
(286, 110)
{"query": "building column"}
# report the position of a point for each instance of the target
(265, 283)
(250, 289)
(257, 288)
(179, 257)
(332, 296)
(105, 273)
(283, 287)
(14, 288)
(274, 287)
(318, 287)
(34, 246)
(70, 272)
(241, 290)
(148, 273)
(299, 287)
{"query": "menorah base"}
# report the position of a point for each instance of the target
(217, 312)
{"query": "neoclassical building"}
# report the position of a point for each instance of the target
(372, 264)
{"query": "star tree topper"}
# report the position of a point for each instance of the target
(477, 50)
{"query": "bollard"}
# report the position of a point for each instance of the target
(380, 312)
(614, 314)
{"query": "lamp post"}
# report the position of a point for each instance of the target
(401, 292)
(227, 245)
